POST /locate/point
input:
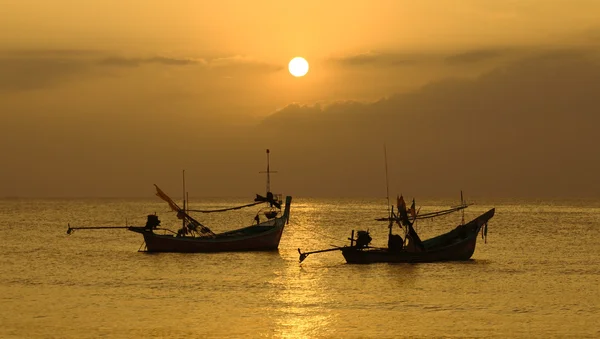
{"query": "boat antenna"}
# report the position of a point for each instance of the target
(462, 203)
(387, 185)
(183, 187)
(268, 172)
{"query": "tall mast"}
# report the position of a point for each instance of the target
(268, 172)
(387, 185)
(462, 203)
(183, 187)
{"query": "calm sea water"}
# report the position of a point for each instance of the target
(537, 276)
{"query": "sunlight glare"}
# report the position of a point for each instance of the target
(298, 66)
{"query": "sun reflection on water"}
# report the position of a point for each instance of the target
(302, 302)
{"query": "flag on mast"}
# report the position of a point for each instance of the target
(400, 203)
(413, 212)
(169, 201)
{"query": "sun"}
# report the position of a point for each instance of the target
(298, 66)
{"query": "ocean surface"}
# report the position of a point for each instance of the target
(537, 276)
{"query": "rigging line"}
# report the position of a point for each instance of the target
(226, 209)
(431, 215)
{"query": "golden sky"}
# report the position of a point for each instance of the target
(128, 81)
(276, 30)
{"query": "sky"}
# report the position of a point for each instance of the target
(106, 98)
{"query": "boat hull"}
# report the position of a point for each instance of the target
(265, 241)
(374, 255)
(457, 245)
(262, 237)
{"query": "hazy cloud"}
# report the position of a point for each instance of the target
(28, 69)
(50, 53)
(378, 59)
(388, 59)
(136, 62)
(37, 69)
(243, 62)
(476, 56)
(36, 73)
(525, 129)
(592, 34)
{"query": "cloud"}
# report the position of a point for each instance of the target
(37, 69)
(136, 62)
(524, 129)
(36, 73)
(592, 35)
(44, 68)
(476, 56)
(378, 59)
(243, 62)
(30, 69)
(51, 53)
(550, 71)
(390, 59)
(227, 64)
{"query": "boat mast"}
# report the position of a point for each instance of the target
(184, 206)
(268, 172)
(462, 203)
(387, 185)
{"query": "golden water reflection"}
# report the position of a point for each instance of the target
(303, 304)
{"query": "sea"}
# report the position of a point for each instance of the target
(536, 275)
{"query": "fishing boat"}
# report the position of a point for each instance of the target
(194, 237)
(455, 245)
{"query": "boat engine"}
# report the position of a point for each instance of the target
(395, 242)
(152, 222)
(363, 239)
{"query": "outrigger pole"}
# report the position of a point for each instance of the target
(305, 254)
(335, 248)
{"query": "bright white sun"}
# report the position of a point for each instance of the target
(298, 66)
